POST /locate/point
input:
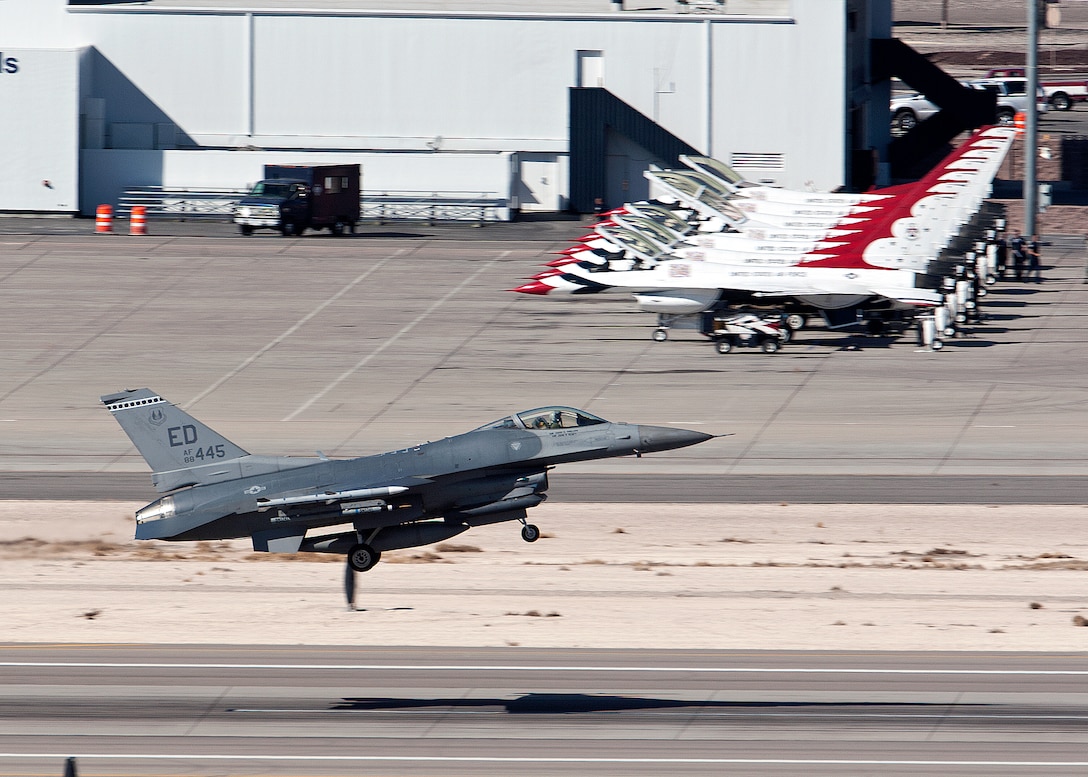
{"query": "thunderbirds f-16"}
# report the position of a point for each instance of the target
(718, 240)
(401, 499)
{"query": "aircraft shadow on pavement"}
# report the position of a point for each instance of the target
(581, 703)
(1012, 291)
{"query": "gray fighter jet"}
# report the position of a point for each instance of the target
(401, 499)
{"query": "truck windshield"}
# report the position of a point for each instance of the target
(272, 189)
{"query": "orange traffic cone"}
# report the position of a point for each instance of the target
(137, 220)
(103, 220)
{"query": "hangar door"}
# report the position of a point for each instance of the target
(542, 182)
(625, 161)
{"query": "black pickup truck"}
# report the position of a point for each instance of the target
(294, 198)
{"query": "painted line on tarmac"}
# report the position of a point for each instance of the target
(547, 760)
(440, 708)
(516, 668)
(388, 343)
(294, 328)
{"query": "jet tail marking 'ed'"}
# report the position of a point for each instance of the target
(400, 499)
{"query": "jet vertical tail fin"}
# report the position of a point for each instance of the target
(180, 450)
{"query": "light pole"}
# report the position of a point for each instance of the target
(1031, 138)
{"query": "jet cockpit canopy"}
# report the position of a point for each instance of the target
(554, 417)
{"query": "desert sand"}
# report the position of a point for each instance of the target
(817, 577)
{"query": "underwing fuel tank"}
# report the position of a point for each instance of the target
(389, 538)
(677, 301)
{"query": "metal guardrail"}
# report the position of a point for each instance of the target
(218, 204)
(436, 206)
(182, 204)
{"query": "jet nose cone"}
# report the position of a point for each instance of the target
(533, 287)
(665, 438)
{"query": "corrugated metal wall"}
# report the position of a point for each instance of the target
(415, 82)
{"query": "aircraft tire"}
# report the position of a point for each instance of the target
(796, 321)
(362, 557)
(530, 532)
(660, 335)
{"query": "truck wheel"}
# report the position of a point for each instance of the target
(337, 227)
(292, 228)
(1060, 101)
(246, 230)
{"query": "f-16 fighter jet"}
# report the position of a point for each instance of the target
(883, 250)
(401, 499)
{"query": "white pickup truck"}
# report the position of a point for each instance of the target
(1060, 93)
(1012, 98)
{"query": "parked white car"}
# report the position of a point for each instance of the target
(1012, 98)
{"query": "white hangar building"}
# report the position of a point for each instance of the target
(544, 105)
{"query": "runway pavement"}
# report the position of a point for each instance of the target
(168, 710)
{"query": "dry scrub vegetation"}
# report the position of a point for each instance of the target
(773, 555)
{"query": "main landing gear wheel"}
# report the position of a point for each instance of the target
(660, 335)
(796, 321)
(362, 557)
(530, 533)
